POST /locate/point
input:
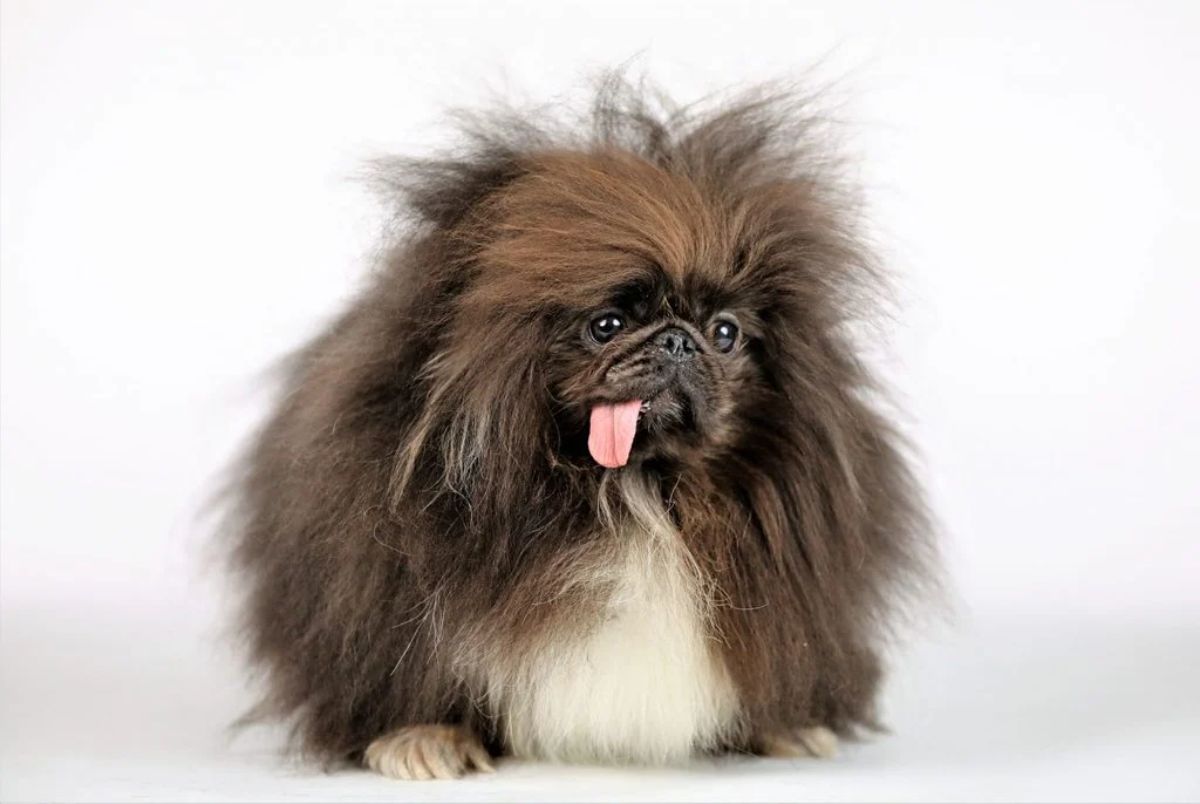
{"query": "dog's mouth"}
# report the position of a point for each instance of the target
(649, 404)
(613, 427)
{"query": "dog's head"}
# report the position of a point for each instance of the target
(667, 298)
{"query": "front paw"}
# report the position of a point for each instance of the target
(428, 752)
(810, 741)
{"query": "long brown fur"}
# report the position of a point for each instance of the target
(423, 483)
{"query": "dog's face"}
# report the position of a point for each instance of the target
(657, 371)
(656, 306)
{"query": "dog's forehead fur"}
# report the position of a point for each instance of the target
(743, 201)
(578, 216)
(576, 224)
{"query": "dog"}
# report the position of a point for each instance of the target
(591, 470)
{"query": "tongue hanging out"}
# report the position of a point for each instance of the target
(612, 430)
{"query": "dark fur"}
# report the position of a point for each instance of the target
(374, 531)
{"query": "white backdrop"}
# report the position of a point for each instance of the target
(1032, 172)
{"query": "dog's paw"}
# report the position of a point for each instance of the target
(810, 741)
(428, 752)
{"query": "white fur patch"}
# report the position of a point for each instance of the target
(644, 684)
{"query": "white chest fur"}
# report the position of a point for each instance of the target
(643, 683)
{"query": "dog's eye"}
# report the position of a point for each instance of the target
(605, 327)
(724, 336)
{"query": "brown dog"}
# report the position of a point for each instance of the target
(589, 472)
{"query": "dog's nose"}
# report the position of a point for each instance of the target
(676, 343)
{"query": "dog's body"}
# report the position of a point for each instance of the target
(636, 682)
(587, 473)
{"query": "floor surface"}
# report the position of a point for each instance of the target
(108, 705)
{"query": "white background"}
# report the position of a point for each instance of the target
(179, 208)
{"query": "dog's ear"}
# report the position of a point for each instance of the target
(482, 454)
(442, 191)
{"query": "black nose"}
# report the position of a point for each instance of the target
(677, 343)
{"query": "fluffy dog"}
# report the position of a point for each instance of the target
(590, 471)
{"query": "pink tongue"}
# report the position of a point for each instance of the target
(611, 435)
